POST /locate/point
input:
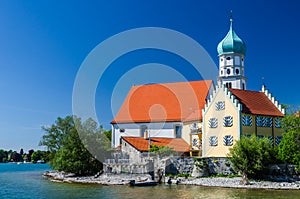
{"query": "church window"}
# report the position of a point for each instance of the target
(195, 142)
(213, 141)
(213, 123)
(277, 122)
(237, 71)
(264, 121)
(220, 105)
(221, 72)
(228, 71)
(228, 140)
(247, 120)
(221, 59)
(228, 58)
(228, 121)
(268, 122)
(278, 140)
(178, 131)
(260, 121)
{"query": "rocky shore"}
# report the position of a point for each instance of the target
(124, 179)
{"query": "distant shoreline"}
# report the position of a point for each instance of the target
(123, 179)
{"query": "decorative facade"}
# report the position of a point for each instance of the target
(208, 119)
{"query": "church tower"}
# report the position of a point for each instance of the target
(231, 51)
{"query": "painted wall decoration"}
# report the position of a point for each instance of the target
(247, 120)
(195, 142)
(213, 123)
(277, 122)
(228, 121)
(228, 140)
(271, 138)
(278, 140)
(213, 141)
(220, 105)
(264, 121)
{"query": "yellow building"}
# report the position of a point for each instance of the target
(233, 111)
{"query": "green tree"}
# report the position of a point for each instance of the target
(251, 155)
(108, 134)
(289, 147)
(162, 151)
(3, 156)
(39, 155)
(70, 142)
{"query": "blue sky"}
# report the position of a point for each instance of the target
(43, 44)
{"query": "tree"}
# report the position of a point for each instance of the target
(289, 147)
(108, 134)
(70, 142)
(251, 155)
(3, 156)
(162, 151)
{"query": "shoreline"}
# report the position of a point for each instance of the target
(124, 179)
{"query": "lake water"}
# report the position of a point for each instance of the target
(26, 181)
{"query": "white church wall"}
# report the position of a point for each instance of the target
(157, 129)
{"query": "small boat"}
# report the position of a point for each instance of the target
(142, 184)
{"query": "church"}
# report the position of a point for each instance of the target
(199, 118)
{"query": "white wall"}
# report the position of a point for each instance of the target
(158, 129)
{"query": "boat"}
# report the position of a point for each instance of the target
(142, 183)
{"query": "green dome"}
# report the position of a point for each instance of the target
(231, 43)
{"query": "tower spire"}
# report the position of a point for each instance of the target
(231, 51)
(230, 19)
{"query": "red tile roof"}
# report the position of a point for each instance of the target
(180, 101)
(255, 102)
(142, 144)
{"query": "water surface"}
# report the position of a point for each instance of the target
(26, 181)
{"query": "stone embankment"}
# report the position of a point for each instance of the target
(104, 179)
(236, 183)
(123, 179)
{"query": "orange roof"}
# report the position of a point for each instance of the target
(180, 101)
(255, 102)
(142, 144)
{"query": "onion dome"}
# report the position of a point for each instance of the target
(231, 43)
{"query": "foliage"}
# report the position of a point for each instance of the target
(289, 147)
(251, 155)
(162, 151)
(108, 134)
(40, 155)
(3, 156)
(291, 122)
(70, 142)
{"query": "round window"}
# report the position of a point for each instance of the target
(228, 71)
(237, 71)
(228, 58)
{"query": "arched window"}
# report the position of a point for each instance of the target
(228, 71)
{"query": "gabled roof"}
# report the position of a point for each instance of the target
(255, 102)
(180, 101)
(142, 144)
